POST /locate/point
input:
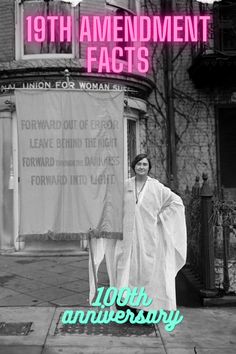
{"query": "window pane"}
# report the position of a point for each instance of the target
(124, 43)
(227, 26)
(43, 8)
(119, 3)
(131, 5)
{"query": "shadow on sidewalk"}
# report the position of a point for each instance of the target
(185, 294)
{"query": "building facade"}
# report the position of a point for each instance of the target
(57, 66)
(201, 83)
(203, 93)
(199, 95)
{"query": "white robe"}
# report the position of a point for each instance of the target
(153, 248)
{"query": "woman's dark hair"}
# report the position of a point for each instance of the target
(139, 158)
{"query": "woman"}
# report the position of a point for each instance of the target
(153, 248)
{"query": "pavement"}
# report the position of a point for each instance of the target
(36, 290)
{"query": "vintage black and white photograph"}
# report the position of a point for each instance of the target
(117, 176)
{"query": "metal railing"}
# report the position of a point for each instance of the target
(211, 225)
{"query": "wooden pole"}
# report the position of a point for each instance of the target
(93, 264)
(207, 240)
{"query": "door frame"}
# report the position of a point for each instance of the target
(15, 156)
(218, 107)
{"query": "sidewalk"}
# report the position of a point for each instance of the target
(34, 292)
(45, 281)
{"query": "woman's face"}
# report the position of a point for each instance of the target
(142, 167)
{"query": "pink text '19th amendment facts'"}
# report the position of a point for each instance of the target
(129, 34)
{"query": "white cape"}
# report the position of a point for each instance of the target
(153, 248)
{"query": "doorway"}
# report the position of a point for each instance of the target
(227, 151)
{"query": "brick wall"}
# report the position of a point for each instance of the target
(194, 118)
(7, 30)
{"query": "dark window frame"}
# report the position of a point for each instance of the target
(224, 26)
(218, 108)
(43, 50)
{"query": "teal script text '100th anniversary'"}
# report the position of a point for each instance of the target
(123, 297)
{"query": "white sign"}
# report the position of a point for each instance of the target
(65, 84)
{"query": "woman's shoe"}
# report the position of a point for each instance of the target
(125, 308)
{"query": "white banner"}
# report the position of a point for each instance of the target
(70, 163)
